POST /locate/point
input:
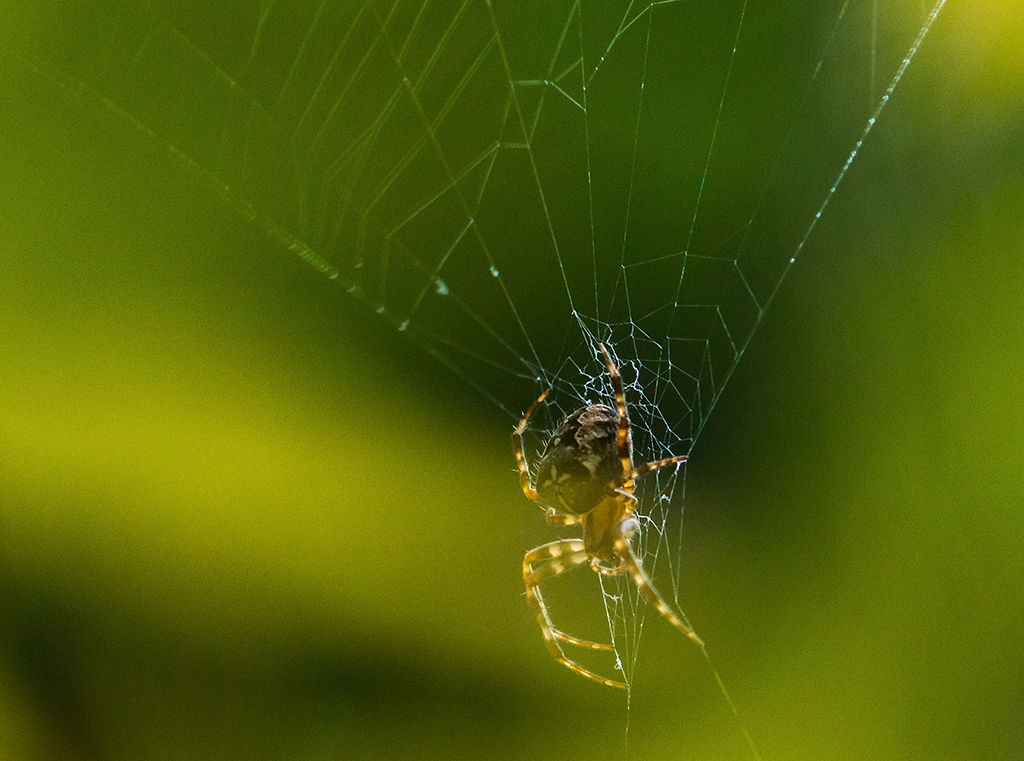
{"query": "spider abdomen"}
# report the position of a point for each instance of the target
(581, 460)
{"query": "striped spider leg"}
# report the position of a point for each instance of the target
(586, 477)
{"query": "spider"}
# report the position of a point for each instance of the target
(586, 476)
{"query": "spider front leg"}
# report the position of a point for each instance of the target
(552, 559)
(517, 450)
(632, 564)
(622, 439)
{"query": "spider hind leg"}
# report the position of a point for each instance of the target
(552, 559)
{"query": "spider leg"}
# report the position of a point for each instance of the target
(554, 558)
(643, 583)
(623, 489)
(517, 450)
(555, 518)
(648, 467)
(625, 456)
(596, 565)
(628, 496)
(582, 643)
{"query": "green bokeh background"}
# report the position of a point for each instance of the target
(240, 516)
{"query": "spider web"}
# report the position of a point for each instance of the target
(510, 184)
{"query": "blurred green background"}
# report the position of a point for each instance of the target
(240, 516)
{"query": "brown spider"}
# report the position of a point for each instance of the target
(586, 476)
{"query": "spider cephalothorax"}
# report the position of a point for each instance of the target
(586, 476)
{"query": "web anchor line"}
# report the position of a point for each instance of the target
(872, 120)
